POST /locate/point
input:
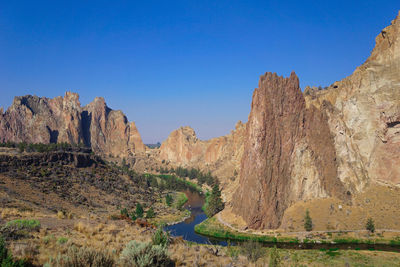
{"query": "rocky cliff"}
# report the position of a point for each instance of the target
(288, 154)
(35, 119)
(327, 143)
(219, 155)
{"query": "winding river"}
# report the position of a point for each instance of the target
(195, 201)
(186, 228)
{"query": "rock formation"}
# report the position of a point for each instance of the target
(331, 142)
(35, 119)
(288, 153)
(219, 155)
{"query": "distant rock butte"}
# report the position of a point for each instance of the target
(35, 119)
(219, 155)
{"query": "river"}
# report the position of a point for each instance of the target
(186, 228)
(195, 201)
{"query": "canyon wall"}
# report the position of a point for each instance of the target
(35, 119)
(219, 155)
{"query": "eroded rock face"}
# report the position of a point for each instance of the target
(365, 115)
(35, 119)
(219, 155)
(331, 143)
(288, 153)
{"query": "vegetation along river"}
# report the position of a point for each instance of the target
(195, 202)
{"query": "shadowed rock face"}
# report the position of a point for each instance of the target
(282, 137)
(35, 119)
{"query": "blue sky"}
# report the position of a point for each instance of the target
(167, 64)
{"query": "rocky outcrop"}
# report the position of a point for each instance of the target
(35, 119)
(219, 155)
(333, 142)
(365, 115)
(288, 154)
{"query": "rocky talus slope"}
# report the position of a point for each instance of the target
(327, 143)
(35, 119)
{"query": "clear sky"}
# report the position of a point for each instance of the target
(167, 64)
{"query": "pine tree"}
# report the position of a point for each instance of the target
(370, 226)
(150, 213)
(139, 210)
(307, 221)
(215, 203)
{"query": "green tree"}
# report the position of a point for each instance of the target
(307, 221)
(168, 200)
(370, 226)
(214, 203)
(150, 213)
(139, 210)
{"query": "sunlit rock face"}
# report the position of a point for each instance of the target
(35, 119)
(365, 115)
(220, 155)
(332, 142)
(288, 153)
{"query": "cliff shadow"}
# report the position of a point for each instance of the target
(86, 122)
(53, 135)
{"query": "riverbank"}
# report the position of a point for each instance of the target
(381, 240)
(175, 213)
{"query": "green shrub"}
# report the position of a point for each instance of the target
(19, 228)
(168, 200)
(274, 258)
(145, 255)
(82, 257)
(139, 210)
(253, 250)
(150, 213)
(6, 259)
(30, 225)
(62, 240)
(160, 237)
(124, 212)
(180, 201)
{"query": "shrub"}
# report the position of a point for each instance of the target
(6, 259)
(253, 250)
(124, 212)
(82, 257)
(145, 255)
(150, 213)
(62, 240)
(274, 258)
(139, 210)
(30, 225)
(160, 237)
(370, 226)
(168, 200)
(307, 221)
(19, 228)
(180, 201)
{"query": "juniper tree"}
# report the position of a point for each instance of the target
(307, 221)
